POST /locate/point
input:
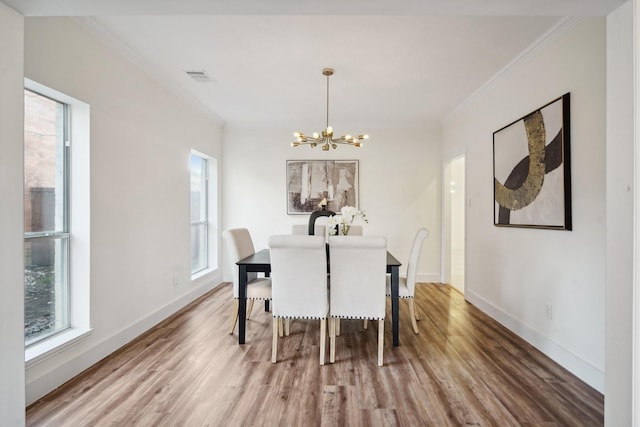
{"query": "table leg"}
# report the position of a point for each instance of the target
(242, 306)
(266, 302)
(395, 306)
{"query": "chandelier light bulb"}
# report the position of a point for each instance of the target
(315, 135)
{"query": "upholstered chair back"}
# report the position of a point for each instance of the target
(299, 276)
(358, 276)
(303, 229)
(412, 265)
(239, 246)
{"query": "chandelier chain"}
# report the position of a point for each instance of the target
(327, 126)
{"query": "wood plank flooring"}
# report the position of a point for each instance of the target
(462, 369)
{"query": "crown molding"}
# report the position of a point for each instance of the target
(556, 32)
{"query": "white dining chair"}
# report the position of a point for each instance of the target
(299, 284)
(239, 246)
(303, 229)
(358, 276)
(354, 230)
(407, 284)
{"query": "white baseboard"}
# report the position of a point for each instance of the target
(564, 357)
(428, 278)
(58, 375)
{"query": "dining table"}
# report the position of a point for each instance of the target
(260, 262)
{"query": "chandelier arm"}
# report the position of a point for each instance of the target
(342, 141)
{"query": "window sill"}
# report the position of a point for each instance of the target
(201, 274)
(56, 344)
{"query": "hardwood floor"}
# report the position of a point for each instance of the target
(462, 369)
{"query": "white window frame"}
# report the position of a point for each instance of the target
(58, 234)
(78, 229)
(212, 214)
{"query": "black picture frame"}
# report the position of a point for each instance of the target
(532, 169)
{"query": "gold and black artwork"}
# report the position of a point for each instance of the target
(531, 169)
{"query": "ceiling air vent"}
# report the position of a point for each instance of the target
(199, 75)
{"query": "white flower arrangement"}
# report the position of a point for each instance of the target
(347, 215)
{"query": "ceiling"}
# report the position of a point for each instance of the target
(397, 63)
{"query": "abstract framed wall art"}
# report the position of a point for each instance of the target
(310, 181)
(532, 169)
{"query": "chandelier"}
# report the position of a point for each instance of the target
(326, 139)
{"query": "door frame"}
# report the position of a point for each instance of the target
(445, 276)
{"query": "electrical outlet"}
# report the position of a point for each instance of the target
(548, 311)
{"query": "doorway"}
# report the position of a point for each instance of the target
(454, 222)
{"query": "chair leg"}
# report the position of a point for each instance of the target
(332, 339)
(366, 323)
(287, 326)
(274, 342)
(323, 339)
(417, 312)
(380, 340)
(234, 315)
(337, 326)
(412, 314)
(249, 308)
(280, 329)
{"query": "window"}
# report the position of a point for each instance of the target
(57, 213)
(199, 213)
(204, 214)
(46, 216)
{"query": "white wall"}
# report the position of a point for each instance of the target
(619, 296)
(12, 398)
(141, 137)
(400, 186)
(513, 272)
